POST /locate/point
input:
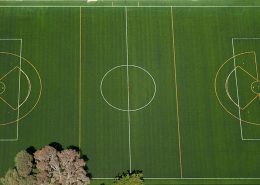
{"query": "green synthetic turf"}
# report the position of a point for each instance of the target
(210, 145)
(50, 43)
(199, 54)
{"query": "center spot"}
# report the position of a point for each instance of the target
(128, 88)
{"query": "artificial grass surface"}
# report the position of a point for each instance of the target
(147, 139)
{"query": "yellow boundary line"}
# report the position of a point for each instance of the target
(216, 93)
(3, 88)
(176, 88)
(80, 77)
(256, 68)
(40, 91)
(1, 81)
(255, 78)
(250, 75)
(243, 108)
(8, 73)
(9, 105)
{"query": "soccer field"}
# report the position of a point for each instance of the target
(170, 90)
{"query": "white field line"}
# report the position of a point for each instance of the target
(251, 139)
(185, 178)
(89, 6)
(127, 58)
(246, 38)
(19, 90)
(128, 94)
(4, 140)
(80, 77)
(11, 39)
(43, 1)
(29, 88)
(118, 108)
(239, 112)
(18, 97)
(198, 178)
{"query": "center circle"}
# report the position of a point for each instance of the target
(2, 87)
(136, 82)
(255, 87)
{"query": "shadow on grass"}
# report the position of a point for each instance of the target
(82, 156)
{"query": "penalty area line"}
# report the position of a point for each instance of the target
(19, 90)
(237, 92)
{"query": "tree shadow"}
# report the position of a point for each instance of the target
(31, 150)
(73, 147)
(82, 156)
(56, 145)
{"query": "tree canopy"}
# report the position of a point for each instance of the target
(48, 166)
(133, 178)
(53, 165)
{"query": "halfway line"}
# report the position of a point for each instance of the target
(128, 94)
